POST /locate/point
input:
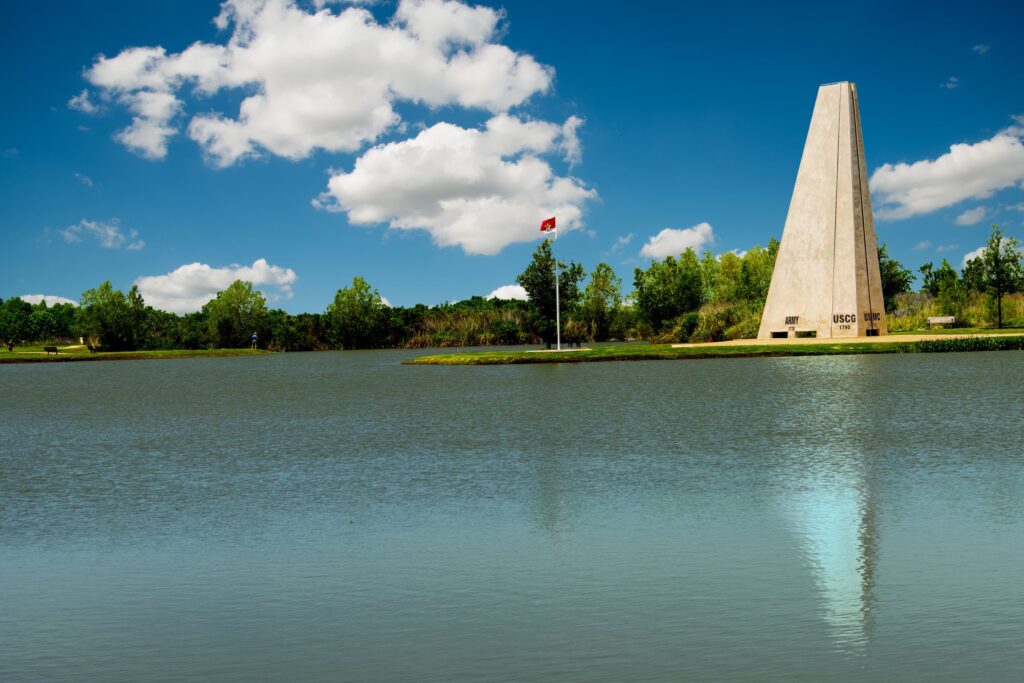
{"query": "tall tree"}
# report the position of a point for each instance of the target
(357, 317)
(15, 315)
(601, 299)
(668, 288)
(1003, 270)
(42, 324)
(973, 275)
(235, 314)
(756, 272)
(895, 278)
(106, 317)
(539, 282)
(711, 275)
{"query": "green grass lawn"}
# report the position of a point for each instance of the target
(667, 352)
(35, 354)
(964, 330)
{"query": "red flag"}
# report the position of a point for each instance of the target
(547, 225)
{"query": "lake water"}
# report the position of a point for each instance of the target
(339, 516)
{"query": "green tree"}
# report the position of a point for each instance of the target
(42, 325)
(235, 314)
(601, 300)
(668, 288)
(711, 276)
(756, 273)
(952, 299)
(1003, 270)
(539, 282)
(895, 278)
(357, 316)
(973, 275)
(107, 318)
(935, 280)
(65, 317)
(15, 317)
(192, 331)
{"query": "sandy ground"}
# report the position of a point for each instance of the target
(842, 340)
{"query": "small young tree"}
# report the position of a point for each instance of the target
(1003, 269)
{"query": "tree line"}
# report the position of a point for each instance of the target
(985, 292)
(684, 298)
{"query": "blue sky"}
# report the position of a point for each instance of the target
(419, 145)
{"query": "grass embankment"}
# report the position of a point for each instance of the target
(36, 354)
(668, 352)
(962, 330)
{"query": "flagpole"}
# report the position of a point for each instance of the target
(558, 309)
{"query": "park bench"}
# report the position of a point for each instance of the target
(50, 349)
(941, 320)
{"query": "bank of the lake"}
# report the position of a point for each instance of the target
(738, 349)
(38, 354)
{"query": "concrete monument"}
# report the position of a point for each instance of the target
(826, 281)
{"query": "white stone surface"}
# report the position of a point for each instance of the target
(826, 277)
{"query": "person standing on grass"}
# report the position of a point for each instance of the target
(254, 340)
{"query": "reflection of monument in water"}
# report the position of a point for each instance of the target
(832, 506)
(826, 281)
(837, 526)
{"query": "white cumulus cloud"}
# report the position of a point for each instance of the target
(480, 189)
(926, 244)
(187, 288)
(971, 216)
(673, 241)
(50, 299)
(317, 77)
(108, 233)
(82, 102)
(971, 255)
(509, 292)
(967, 171)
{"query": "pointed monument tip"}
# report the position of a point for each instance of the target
(826, 85)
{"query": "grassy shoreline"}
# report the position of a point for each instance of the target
(72, 355)
(754, 350)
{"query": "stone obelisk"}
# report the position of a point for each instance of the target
(826, 281)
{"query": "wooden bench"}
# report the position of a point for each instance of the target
(50, 349)
(941, 320)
